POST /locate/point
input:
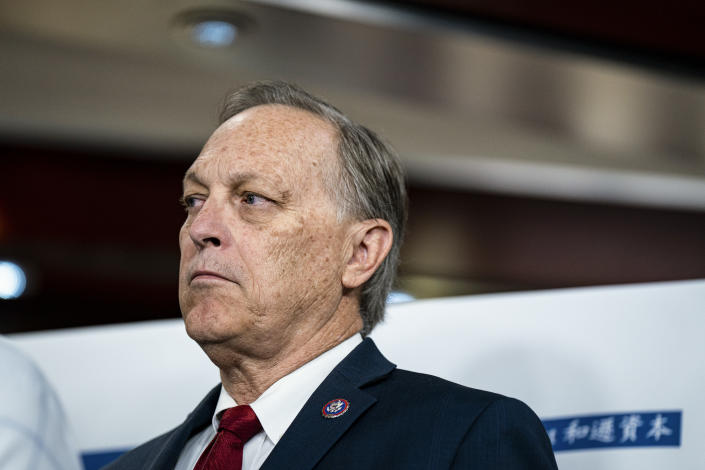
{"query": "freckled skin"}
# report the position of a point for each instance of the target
(282, 253)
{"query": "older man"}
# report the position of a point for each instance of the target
(295, 215)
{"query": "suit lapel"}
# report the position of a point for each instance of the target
(311, 435)
(166, 456)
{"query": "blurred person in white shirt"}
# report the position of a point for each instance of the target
(34, 432)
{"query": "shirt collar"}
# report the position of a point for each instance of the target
(277, 407)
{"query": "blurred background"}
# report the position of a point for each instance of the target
(548, 144)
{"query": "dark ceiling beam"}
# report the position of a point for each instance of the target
(666, 35)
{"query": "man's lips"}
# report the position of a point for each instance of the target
(208, 275)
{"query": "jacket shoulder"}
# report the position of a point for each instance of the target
(429, 389)
(507, 434)
(490, 430)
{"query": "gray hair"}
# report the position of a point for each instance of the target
(371, 182)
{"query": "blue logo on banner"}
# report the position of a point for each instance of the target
(96, 460)
(637, 429)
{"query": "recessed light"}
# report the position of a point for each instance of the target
(214, 33)
(212, 29)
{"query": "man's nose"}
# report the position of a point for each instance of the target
(209, 227)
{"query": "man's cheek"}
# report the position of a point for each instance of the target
(282, 246)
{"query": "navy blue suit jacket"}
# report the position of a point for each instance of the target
(396, 420)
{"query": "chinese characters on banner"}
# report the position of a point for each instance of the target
(636, 429)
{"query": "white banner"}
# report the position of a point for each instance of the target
(616, 373)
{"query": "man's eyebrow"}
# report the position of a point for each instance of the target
(237, 178)
(192, 177)
(234, 179)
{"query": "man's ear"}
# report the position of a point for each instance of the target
(371, 241)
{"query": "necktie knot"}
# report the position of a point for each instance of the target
(237, 426)
(241, 421)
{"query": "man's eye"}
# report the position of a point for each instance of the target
(189, 202)
(252, 199)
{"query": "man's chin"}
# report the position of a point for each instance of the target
(204, 333)
(202, 327)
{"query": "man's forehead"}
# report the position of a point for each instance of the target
(279, 117)
(269, 136)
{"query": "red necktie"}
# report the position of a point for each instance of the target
(237, 426)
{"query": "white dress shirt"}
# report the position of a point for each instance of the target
(34, 432)
(276, 409)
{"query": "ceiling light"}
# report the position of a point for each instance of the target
(214, 33)
(211, 29)
(12, 280)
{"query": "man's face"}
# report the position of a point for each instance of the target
(262, 251)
